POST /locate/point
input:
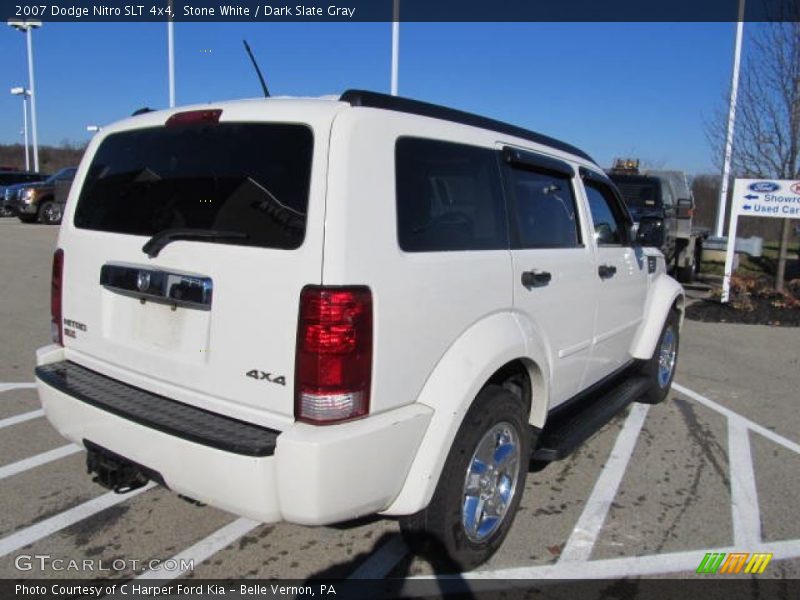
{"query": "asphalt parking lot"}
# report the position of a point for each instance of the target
(714, 469)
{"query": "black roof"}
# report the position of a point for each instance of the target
(436, 111)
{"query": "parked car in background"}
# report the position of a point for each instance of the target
(664, 194)
(11, 178)
(37, 201)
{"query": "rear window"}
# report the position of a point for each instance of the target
(449, 197)
(249, 178)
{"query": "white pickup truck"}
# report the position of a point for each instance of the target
(316, 309)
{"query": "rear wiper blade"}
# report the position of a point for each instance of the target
(156, 243)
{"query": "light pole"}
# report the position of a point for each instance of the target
(171, 56)
(27, 28)
(21, 91)
(395, 46)
(726, 166)
(93, 128)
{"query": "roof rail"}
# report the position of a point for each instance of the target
(436, 111)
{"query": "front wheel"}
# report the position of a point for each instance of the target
(480, 487)
(50, 213)
(660, 369)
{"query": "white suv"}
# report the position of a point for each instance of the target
(316, 309)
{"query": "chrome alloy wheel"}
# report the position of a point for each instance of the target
(491, 482)
(666, 357)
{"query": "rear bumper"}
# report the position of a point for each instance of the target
(314, 475)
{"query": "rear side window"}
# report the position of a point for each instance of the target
(449, 197)
(545, 210)
(250, 178)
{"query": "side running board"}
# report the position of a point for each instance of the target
(567, 429)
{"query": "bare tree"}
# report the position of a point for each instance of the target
(767, 137)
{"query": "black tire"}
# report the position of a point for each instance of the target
(686, 274)
(438, 532)
(49, 213)
(659, 385)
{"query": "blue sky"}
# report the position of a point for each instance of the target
(641, 89)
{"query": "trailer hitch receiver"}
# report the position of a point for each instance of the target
(115, 472)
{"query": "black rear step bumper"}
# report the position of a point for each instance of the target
(158, 412)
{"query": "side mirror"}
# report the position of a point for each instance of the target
(685, 208)
(651, 232)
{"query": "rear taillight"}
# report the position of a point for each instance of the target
(56, 287)
(334, 354)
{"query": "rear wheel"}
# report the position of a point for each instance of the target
(660, 369)
(480, 486)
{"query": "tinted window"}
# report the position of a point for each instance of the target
(640, 192)
(12, 178)
(64, 175)
(609, 226)
(449, 197)
(235, 177)
(545, 210)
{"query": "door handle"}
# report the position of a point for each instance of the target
(535, 278)
(606, 271)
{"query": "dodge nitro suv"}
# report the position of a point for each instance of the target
(316, 309)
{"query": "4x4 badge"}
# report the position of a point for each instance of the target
(260, 375)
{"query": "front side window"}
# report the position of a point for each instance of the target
(250, 179)
(449, 197)
(609, 224)
(545, 210)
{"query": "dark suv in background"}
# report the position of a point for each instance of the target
(11, 179)
(43, 201)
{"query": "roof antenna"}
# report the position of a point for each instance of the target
(258, 71)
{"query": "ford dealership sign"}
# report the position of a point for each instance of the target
(764, 186)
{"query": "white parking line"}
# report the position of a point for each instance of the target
(383, 561)
(4, 387)
(744, 495)
(204, 549)
(17, 419)
(632, 566)
(759, 429)
(580, 543)
(747, 528)
(38, 460)
(41, 530)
